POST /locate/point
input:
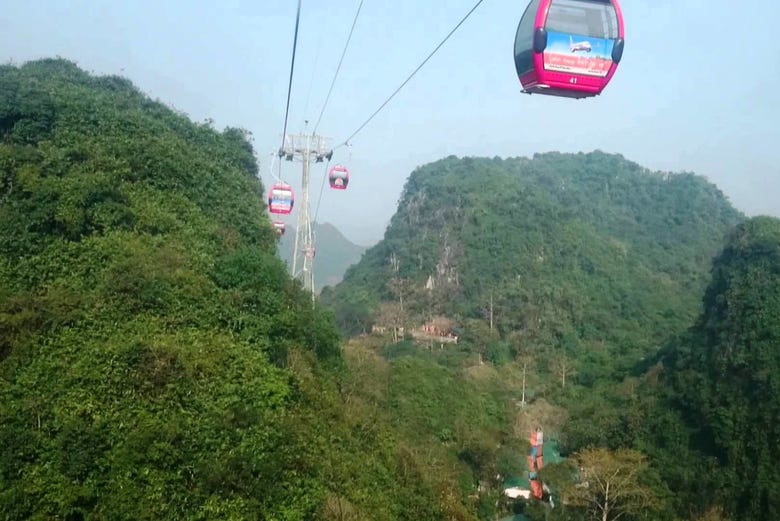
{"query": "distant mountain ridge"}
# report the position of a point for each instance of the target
(335, 253)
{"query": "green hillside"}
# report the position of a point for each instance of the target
(581, 254)
(587, 266)
(156, 361)
(722, 380)
(335, 253)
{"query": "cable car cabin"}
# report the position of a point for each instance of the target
(281, 199)
(338, 177)
(568, 48)
(279, 227)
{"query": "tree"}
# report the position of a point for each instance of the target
(610, 484)
(563, 367)
(479, 334)
(391, 314)
(526, 360)
(355, 315)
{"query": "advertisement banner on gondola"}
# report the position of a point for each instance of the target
(577, 54)
(281, 199)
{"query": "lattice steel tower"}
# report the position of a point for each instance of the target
(305, 147)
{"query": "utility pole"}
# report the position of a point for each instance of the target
(304, 148)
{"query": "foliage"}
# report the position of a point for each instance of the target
(725, 375)
(577, 255)
(569, 272)
(610, 485)
(156, 360)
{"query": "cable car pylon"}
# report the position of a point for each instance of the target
(304, 148)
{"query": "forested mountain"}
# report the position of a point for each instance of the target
(156, 360)
(335, 253)
(723, 378)
(575, 270)
(587, 255)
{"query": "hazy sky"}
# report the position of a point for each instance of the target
(696, 90)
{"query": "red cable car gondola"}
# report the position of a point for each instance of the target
(338, 177)
(281, 199)
(568, 47)
(279, 226)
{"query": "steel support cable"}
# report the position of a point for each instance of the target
(313, 75)
(289, 86)
(274, 157)
(338, 67)
(382, 106)
(327, 98)
(322, 188)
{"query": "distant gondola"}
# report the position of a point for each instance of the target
(279, 226)
(568, 48)
(338, 177)
(281, 199)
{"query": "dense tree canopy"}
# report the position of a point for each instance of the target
(580, 268)
(156, 360)
(726, 373)
(585, 253)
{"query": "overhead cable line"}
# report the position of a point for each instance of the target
(313, 75)
(327, 98)
(338, 68)
(274, 157)
(322, 188)
(382, 106)
(289, 86)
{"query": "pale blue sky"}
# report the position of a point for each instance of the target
(696, 91)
